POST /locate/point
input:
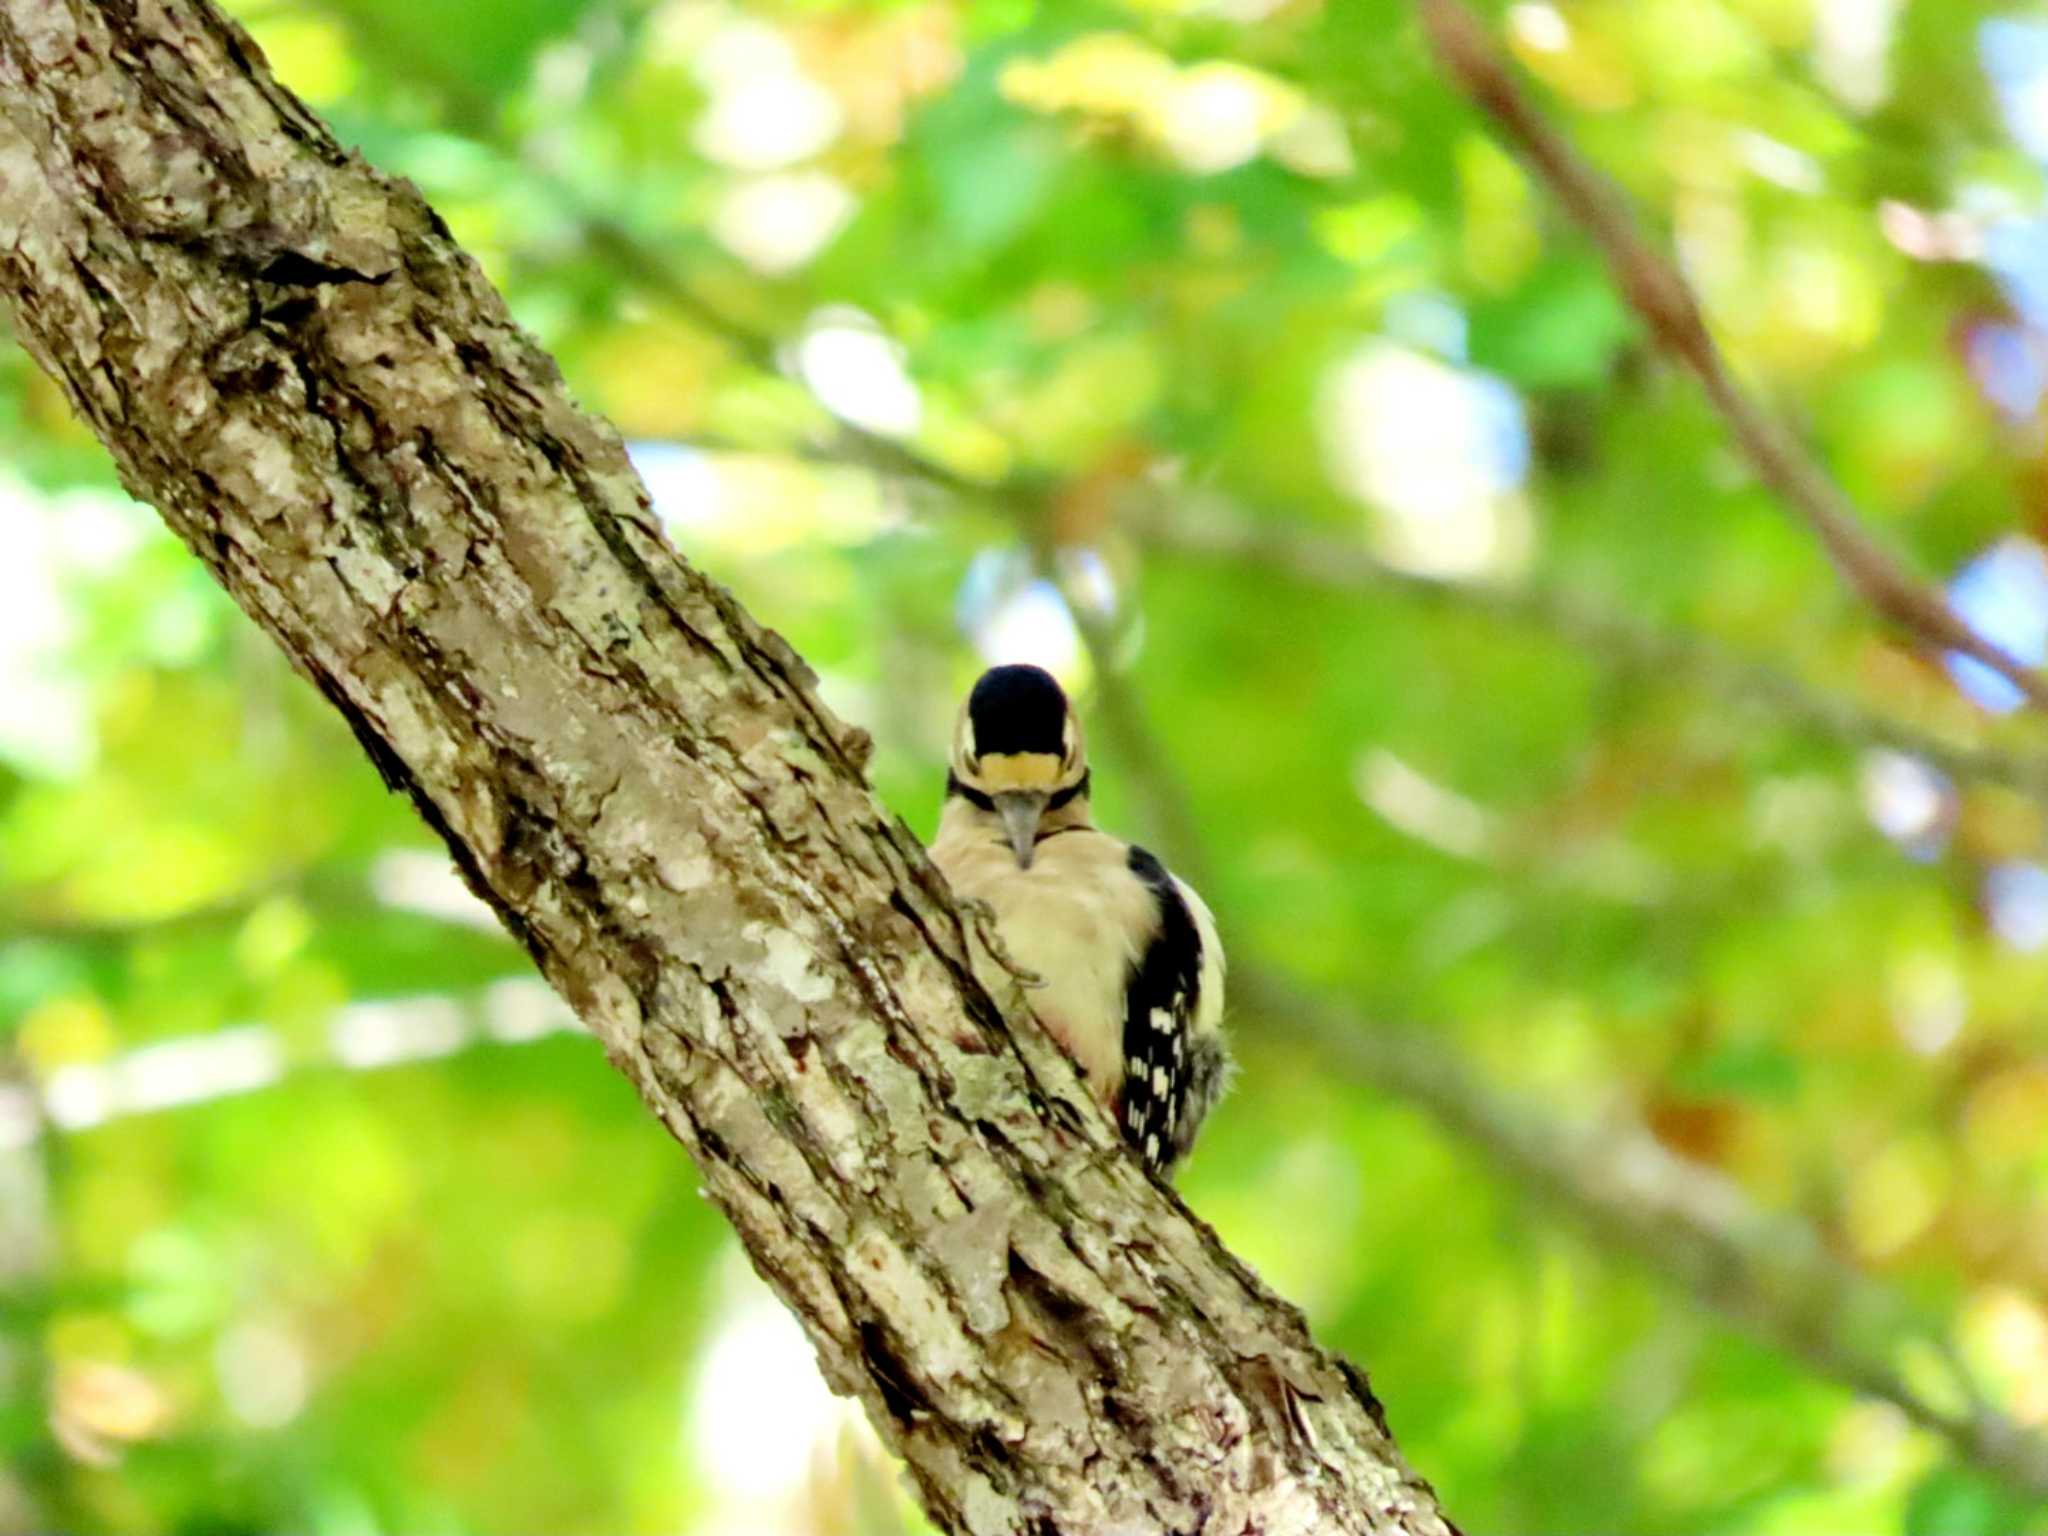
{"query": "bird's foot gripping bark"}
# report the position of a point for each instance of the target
(981, 918)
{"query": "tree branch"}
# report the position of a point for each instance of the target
(288, 356)
(1653, 288)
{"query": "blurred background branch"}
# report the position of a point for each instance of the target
(1606, 636)
(1661, 298)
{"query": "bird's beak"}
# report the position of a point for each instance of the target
(1020, 810)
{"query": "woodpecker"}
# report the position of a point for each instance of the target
(1119, 959)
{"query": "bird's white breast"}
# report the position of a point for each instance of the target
(1077, 917)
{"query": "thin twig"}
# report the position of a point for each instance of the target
(1651, 285)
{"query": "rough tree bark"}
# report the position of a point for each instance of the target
(289, 357)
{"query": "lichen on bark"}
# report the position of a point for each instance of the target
(288, 356)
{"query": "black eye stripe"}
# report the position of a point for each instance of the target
(973, 797)
(1078, 787)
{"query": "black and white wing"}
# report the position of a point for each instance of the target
(1175, 1064)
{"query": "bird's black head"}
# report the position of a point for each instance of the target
(1017, 709)
(1017, 751)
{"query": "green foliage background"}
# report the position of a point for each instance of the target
(478, 1291)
